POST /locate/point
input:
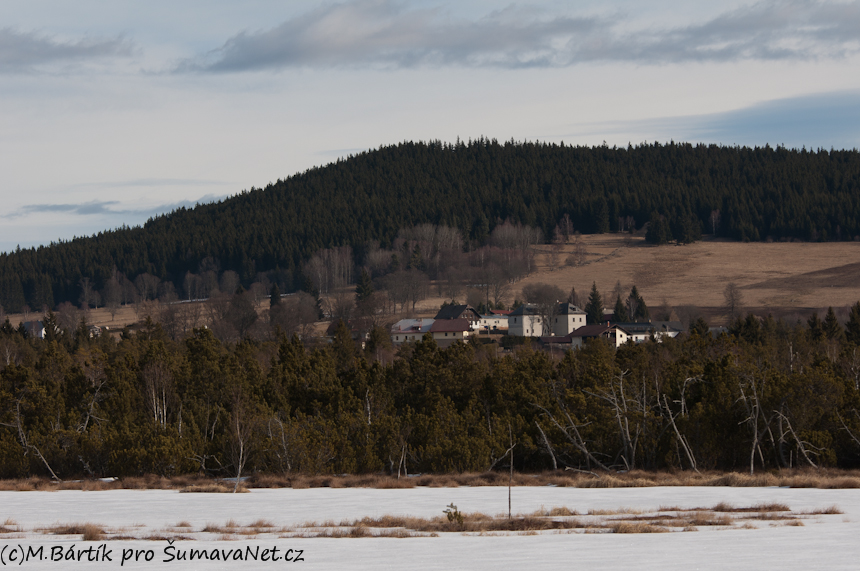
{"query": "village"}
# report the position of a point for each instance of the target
(564, 328)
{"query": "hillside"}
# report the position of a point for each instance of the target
(784, 279)
(789, 280)
(739, 193)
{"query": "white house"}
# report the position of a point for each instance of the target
(526, 321)
(410, 330)
(494, 323)
(568, 319)
(447, 331)
(616, 335)
(35, 329)
(641, 332)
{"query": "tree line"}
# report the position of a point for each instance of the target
(768, 394)
(365, 201)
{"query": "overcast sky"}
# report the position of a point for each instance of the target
(111, 112)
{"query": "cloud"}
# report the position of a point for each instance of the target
(108, 207)
(26, 51)
(94, 207)
(387, 33)
(153, 182)
(821, 120)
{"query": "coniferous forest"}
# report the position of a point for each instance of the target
(769, 394)
(681, 190)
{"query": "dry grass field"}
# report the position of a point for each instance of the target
(788, 280)
(785, 279)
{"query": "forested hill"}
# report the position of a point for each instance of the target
(758, 193)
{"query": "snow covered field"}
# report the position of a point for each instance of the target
(822, 542)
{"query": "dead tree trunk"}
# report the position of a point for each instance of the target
(571, 432)
(18, 425)
(755, 417)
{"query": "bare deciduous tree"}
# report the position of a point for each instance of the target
(294, 314)
(229, 282)
(89, 296)
(330, 269)
(577, 257)
(112, 296)
(242, 428)
(554, 253)
(566, 228)
(734, 300)
(715, 221)
(147, 286)
(547, 299)
(158, 388)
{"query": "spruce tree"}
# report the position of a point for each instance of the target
(416, 260)
(594, 307)
(816, 328)
(274, 296)
(832, 329)
(364, 288)
(573, 299)
(699, 327)
(636, 309)
(642, 314)
(620, 310)
(658, 230)
(852, 328)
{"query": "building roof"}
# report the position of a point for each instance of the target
(457, 312)
(525, 309)
(451, 326)
(36, 328)
(532, 309)
(569, 309)
(648, 326)
(419, 325)
(591, 330)
(504, 312)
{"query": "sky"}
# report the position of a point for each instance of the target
(113, 112)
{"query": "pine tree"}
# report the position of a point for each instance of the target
(636, 309)
(832, 329)
(852, 328)
(416, 260)
(816, 328)
(620, 310)
(275, 296)
(364, 288)
(594, 307)
(699, 327)
(572, 298)
(658, 230)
